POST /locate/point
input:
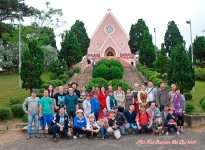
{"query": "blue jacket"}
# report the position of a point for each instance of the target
(95, 105)
(79, 123)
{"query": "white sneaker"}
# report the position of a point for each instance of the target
(177, 132)
(167, 133)
(75, 137)
(80, 135)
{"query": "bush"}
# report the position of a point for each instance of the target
(201, 100)
(188, 96)
(103, 62)
(101, 71)
(189, 107)
(64, 76)
(113, 62)
(203, 105)
(97, 82)
(24, 118)
(39, 94)
(115, 82)
(70, 73)
(45, 86)
(115, 73)
(5, 113)
(51, 83)
(17, 110)
(76, 69)
(64, 80)
(16, 100)
(200, 74)
(53, 76)
(41, 90)
(59, 82)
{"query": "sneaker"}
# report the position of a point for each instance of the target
(28, 138)
(133, 132)
(167, 133)
(75, 137)
(37, 136)
(177, 132)
(55, 140)
(44, 135)
(95, 138)
(80, 135)
(103, 137)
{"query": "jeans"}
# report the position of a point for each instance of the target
(32, 117)
(96, 114)
(103, 131)
(133, 126)
(56, 129)
(145, 127)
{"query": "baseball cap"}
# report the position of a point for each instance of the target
(136, 85)
(34, 91)
(91, 115)
(79, 110)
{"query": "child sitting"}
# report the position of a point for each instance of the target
(92, 127)
(103, 123)
(171, 121)
(157, 126)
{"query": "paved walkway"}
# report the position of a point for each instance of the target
(190, 139)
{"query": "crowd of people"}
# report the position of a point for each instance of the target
(110, 113)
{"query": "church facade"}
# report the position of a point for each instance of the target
(110, 40)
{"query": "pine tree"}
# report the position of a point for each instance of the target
(80, 32)
(199, 48)
(70, 49)
(32, 66)
(147, 51)
(172, 37)
(180, 69)
(136, 35)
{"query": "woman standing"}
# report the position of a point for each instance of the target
(135, 97)
(142, 96)
(179, 105)
(82, 97)
(102, 95)
(91, 89)
(128, 99)
(119, 95)
(51, 91)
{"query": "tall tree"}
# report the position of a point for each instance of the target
(70, 49)
(51, 54)
(180, 69)
(172, 37)
(136, 35)
(161, 63)
(79, 29)
(199, 48)
(32, 66)
(147, 50)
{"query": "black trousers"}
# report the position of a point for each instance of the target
(121, 109)
(77, 130)
(180, 121)
(71, 114)
(171, 126)
(89, 134)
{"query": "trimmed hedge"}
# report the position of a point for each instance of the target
(203, 105)
(24, 118)
(115, 82)
(76, 69)
(5, 113)
(53, 76)
(17, 110)
(97, 82)
(188, 96)
(113, 62)
(70, 73)
(16, 100)
(101, 71)
(200, 74)
(189, 107)
(45, 86)
(103, 62)
(202, 100)
(64, 76)
(115, 72)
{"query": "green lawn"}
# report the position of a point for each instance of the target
(198, 93)
(9, 86)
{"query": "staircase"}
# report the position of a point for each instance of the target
(131, 76)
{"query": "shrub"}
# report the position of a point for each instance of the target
(97, 82)
(59, 82)
(115, 82)
(41, 90)
(55, 82)
(64, 80)
(70, 73)
(203, 105)
(113, 62)
(101, 71)
(53, 76)
(103, 62)
(16, 100)
(189, 107)
(76, 69)
(39, 94)
(200, 74)
(45, 86)
(24, 118)
(64, 76)
(115, 73)
(17, 110)
(201, 100)
(5, 113)
(188, 96)
(51, 83)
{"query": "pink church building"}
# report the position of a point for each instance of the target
(110, 40)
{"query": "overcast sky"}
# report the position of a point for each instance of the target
(156, 13)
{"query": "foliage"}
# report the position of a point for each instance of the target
(5, 113)
(97, 82)
(202, 100)
(70, 73)
(17, 110)
(137, 34)
(203, 105)
(113, 62)
(189, 107)
(180, 69)
(199, 48)
(103, 61)
(115, 73)
(200, 74)
(58, 67)
(79, 30)
(172, 37)
(188, 96)
(101, 71)
(24, 118)
(115, 82)
(70, 49)
(32, 66)
(16, 100)
(50, 54)
(76, 69)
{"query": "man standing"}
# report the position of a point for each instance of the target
(152, 93)
(71, 103)
(172, 93)
(162, 96)
(46, 111)
(59, 98)
(95, 105)
(32, 112)
(94, 64)
(74, 85)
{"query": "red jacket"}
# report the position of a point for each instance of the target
(91, 94)
(102, 100)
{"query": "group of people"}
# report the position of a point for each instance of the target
(111, 113)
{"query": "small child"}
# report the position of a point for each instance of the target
(157, 126)
(92, 127)
(103, 123)
(171, 119)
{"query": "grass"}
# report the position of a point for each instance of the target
(9, 86)
(197, 94)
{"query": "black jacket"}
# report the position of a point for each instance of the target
(66, 121)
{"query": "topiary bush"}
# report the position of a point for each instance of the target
(115, 73)
(45, 85)
(97, 82)
(24, 118)
(16, 100)
(53, 76)
(5, 113)
(113, 62)
(188, 96)
(103, 62)
(199, 74)
(115, 82)
(203, 105)
(39, 94)
(17, 110)
(189, 107)
(201, 100)
(70, 73)
(101, 71)
(64, 76)
(76, 69)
